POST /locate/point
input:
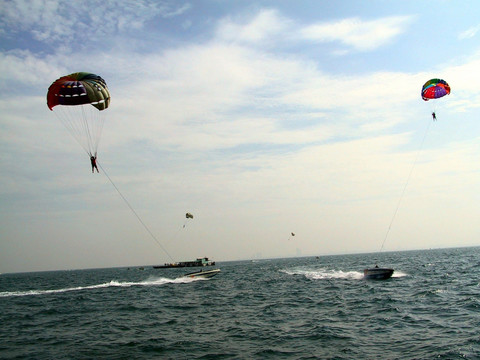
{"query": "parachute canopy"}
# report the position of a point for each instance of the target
(189, 216)
(435, 89)
(78, 89)
(78, 100)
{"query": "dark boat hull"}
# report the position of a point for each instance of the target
(203, 273)
(377, 273)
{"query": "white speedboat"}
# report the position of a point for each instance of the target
(377, 273)
(203, 273)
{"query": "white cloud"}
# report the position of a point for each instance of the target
(270, 27)
(62, 21)
(462, 79)
(469, 33)
(267, 24)
(21, 68)
(359, 34)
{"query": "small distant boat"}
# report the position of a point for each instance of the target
(377, 273)
(203, 273)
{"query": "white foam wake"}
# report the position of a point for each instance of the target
(321, 274)
(152, 281)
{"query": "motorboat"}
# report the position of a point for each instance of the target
(377, 273)
(203, 274)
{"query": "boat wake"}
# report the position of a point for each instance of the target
(325, 274)
(152, 281)
(398, 274)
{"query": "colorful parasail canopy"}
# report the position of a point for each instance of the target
(435, 89)
(78, 89)
(78, 101)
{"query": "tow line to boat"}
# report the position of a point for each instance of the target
(385, 273)
(405, 186)
(135, 213)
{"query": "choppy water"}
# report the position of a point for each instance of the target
(302, 308)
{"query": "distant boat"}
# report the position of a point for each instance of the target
(198, 262)
(377, 273)
(203, 273)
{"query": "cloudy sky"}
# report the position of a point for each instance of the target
(261, 118)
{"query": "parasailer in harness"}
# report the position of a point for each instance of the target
(93, 161)
(435, 89)
(79, 100)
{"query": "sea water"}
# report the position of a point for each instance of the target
(297, 308)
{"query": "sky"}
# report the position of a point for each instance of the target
(261, 118)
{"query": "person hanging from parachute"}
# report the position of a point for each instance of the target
(435, 89)
(81, 98)
(93, 161)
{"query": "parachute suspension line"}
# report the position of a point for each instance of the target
(87, 131)
(135, 213)
(84, 123)
(92, 123)
(99, 130)
(173, 238)
(405, 186)
(67, 120)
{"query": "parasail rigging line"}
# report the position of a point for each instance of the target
(135, 213)
(188, 215)
(77, 124)
(406, 185)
